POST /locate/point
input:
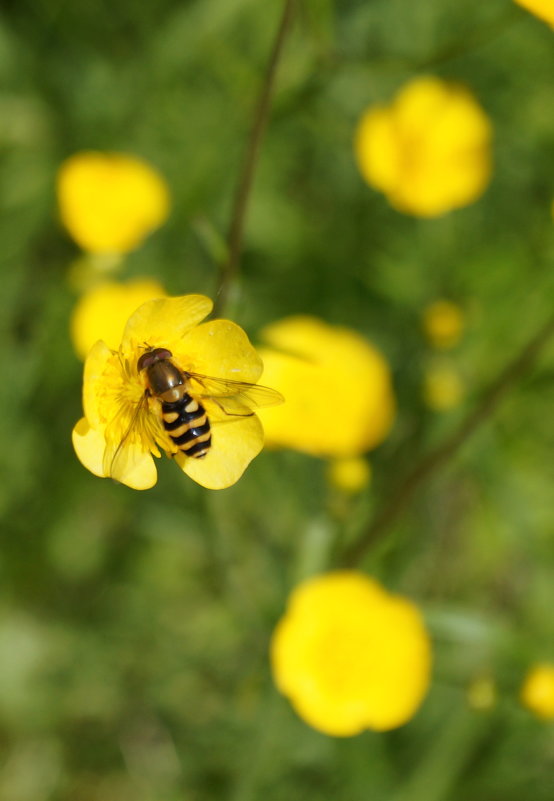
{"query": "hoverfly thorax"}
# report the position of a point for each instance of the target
(162, 376)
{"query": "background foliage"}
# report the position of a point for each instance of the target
(134, 626)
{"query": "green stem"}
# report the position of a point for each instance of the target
(402, 496)
(229, 267)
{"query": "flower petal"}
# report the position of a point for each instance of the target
(109, 202)
(103, 310)
(220, 348)
(235, 442)
(429, 150)
(89, 446)
(165, 320)
(315, 364)
(96, 364)
(541, 8)
(377, 149)
(351, 656)
(134, 467)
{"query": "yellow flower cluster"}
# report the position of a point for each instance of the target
(541, 8)
(338, 390)
(429, 150)
(350, 656)
(122, 425)
(109, 202)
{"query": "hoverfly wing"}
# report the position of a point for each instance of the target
(229, 393)
(119, 458)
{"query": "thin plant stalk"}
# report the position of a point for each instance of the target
(229, 266)
(399, 500)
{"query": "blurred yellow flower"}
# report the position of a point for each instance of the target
(123, 427)
(541, 8)
(443, 323)
(102, 312)
(537, 692)
(443, 387)
(109, 202)
(350, 656)
(337, 388)
(350, 474)
(429, 150)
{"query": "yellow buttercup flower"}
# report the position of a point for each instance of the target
(429, 150)
(109, 202)
(443, 387)
(350, 474)
(443, 323)
(102, 312)
(537, 692)
(125, 422)
(350, 656)
(339, 397)
(541, 8)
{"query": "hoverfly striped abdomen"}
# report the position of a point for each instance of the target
(184, 418)
(187, 424)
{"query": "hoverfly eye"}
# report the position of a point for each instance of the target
(150, 357)
(161, 353)
(144, 361)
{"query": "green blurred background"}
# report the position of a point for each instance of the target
(134, 627)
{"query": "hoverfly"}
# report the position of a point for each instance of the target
(182, 414)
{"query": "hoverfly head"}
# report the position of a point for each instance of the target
(151, 356)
